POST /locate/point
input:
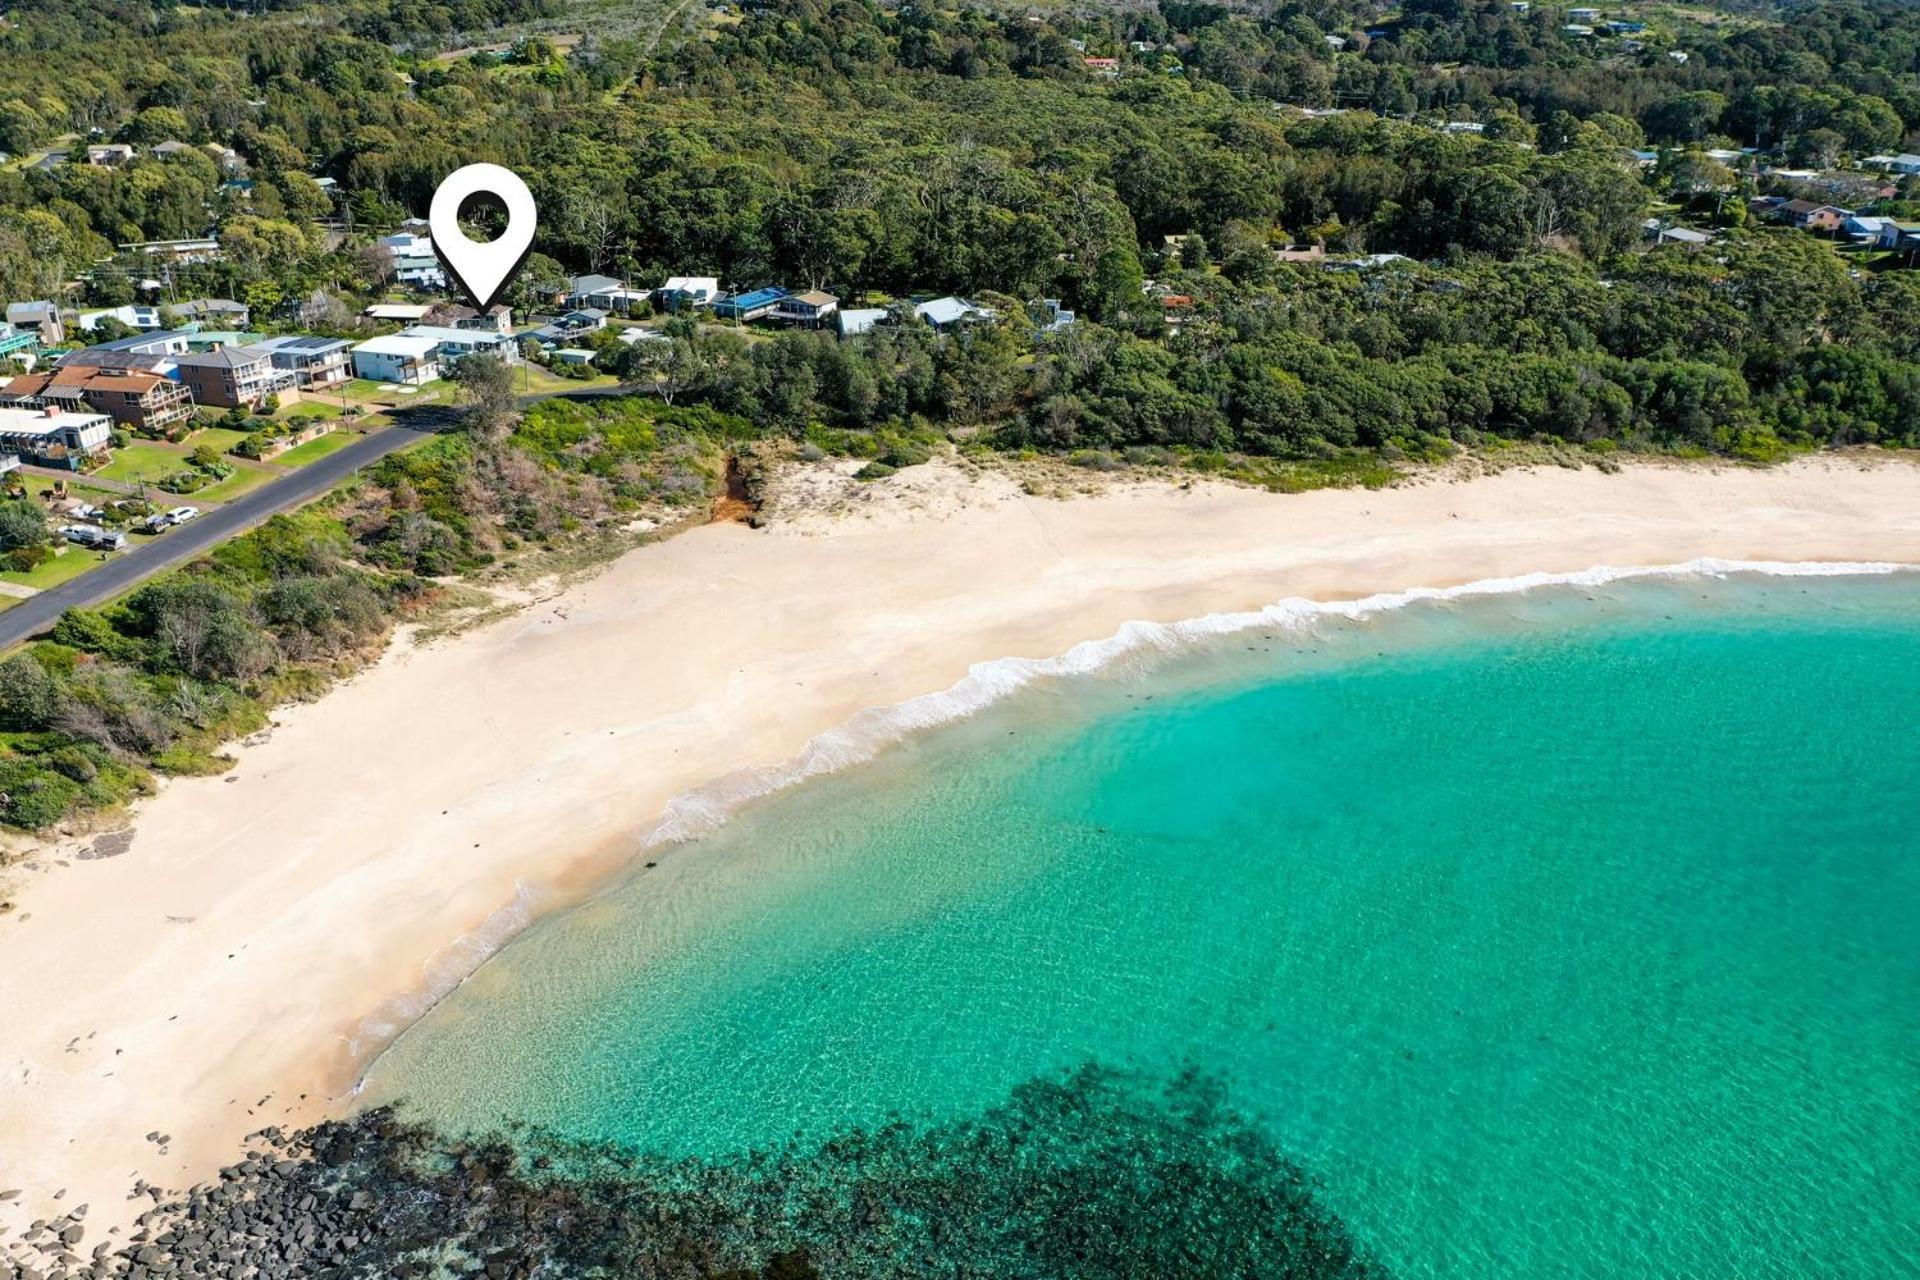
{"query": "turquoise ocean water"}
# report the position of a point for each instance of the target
(1569, 933)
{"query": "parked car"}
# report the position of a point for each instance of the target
(90, 513)
(157, 523)
(180, 515)
(89, 535)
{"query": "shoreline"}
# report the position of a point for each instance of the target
(410, 804)
(875, 730)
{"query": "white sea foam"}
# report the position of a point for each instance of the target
(704, 809)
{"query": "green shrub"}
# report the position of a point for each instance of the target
(32, 796)
(874, 471)
(27, 559)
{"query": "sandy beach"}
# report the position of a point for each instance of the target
(234, 965)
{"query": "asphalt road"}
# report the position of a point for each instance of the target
(128, 568)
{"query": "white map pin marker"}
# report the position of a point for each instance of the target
(482, 270)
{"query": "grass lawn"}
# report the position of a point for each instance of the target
(70, 563)
(316, 449)
(537, 381)
(241, 481)
(40, 486)
(311, 409)
(219, 439)
(367, 389)
(143, 462)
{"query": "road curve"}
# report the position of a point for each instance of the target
(129, 568)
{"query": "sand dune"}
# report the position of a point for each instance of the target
(230, 969)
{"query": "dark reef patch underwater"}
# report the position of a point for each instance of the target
(1091, 1174)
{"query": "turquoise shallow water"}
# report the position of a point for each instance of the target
(1573, 933)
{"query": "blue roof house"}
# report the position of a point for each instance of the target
(749, 306)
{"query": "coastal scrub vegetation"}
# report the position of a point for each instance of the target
(185, 663)
(1095, 1175)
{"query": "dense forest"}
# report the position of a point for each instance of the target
(913, 151)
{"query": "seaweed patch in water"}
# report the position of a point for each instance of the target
(1088, 1175)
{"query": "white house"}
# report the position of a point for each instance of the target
(688, 291)
(946, 313)
(403, 312)
(858, 320)
(456, 344)
(133, 316)
(398, 357)
(52, 436)
(604, 294)
(414, 262)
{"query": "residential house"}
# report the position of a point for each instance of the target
(1370, 262)
(171, 147)
(858, 320)
(1621, 28)
(133, 316)
(1057, 316)
(616, 298)
(1904, 163)
(221, 311)
(214, 339)
(315, 363)
(1862, 228)
(413, 259)
(420, 273)
(196, 249)
(811, 308)
(567, 328)
(1103, 66)
(573, 355)
(145, 402)
(1686, 237)
(453, 345)
(453, 315)
(398, 357)
(41, 317)
(1583, 15)
(399, 312)
(1899, 235)
(682, 293)
(160, 362)
(949, 313)
(234, 377)
(17, 342)
(167, 343)
(54, 437)
(1577, 30)
(604, 293)
(110, 154)
(1808, 216)
(746, 307)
